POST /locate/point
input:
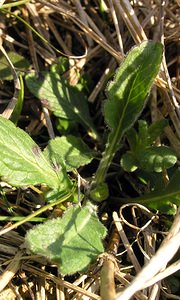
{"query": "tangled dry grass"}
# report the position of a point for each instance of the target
(95, 41)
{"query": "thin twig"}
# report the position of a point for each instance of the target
(126, 242)
(10, 271)
(167, 250)
(17, 86)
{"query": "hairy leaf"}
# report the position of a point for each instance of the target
(126, 96)
(128, 91)
(72, 242)
(71, 150)
(143, 154)
(21, 161)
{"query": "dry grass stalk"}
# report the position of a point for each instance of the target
(59, 281)
(10, 271)
(17, 86)
(167, 250)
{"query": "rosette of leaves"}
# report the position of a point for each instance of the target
(78, 235)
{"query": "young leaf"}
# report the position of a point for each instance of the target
(143, 137)
(72, 242)
(71, 150)
(132, 138)
(150, 159)
(21, 161)
(100, 193)
(127, 95)
(61, 66)
(62, 99)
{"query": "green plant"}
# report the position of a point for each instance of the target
(79, 233)
(143, 154)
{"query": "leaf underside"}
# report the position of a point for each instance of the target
(72, 242)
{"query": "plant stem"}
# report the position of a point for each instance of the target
(19, 218)
(110, 150)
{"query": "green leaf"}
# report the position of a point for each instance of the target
(63, 100)
(128, 91)
(19, 62)
(163, 200)
(132, 138)
(127, 95)
(153, 181)
(21, 161)
(71, 150)
(150, 159)
(143, 155)
(156, 159)
(143, 136)
(72, 242)
(61, 67)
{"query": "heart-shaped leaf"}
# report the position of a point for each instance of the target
(72, 242)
